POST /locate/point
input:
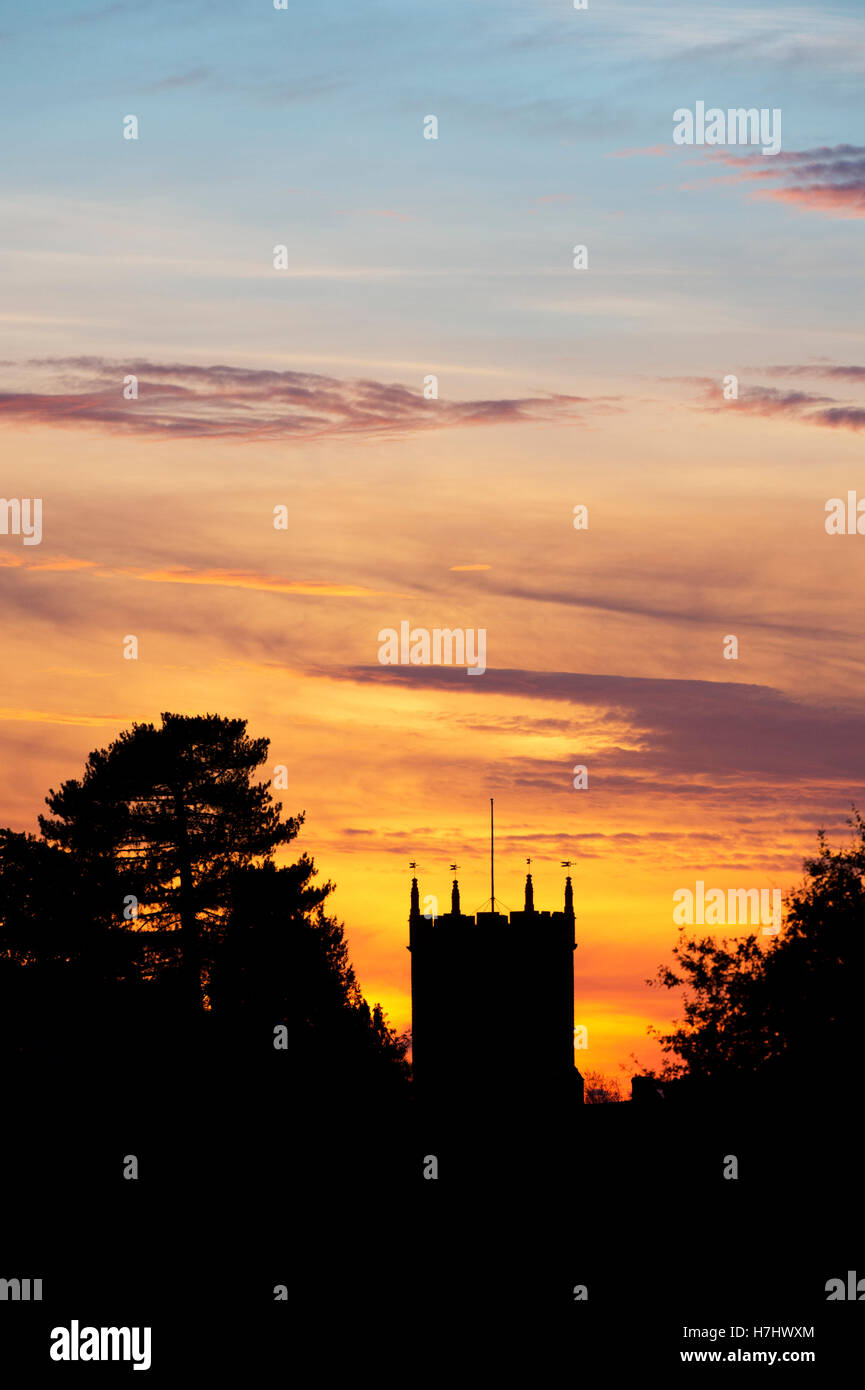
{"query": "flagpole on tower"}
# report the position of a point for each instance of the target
(492, 862)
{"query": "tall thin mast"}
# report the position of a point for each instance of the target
(492, 862)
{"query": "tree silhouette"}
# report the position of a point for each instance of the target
(599, 1089)
(166, 816)
(171, 818)
(785, 1011)
(43, 913)
(66, 976)
(283, 960)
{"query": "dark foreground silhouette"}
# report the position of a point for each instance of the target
(291, 1187)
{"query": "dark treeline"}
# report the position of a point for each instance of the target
(147, 930)
(776, 1018)
(152, 952)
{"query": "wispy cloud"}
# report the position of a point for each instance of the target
(38, 562)
(809, 407)
(828, 179)
(817, 369)
(44, 716)
(204, 576)
(183, 401)
(641, 150)
(686, 728)
(239, 579)
(193, 78)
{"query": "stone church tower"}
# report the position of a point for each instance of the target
(493, 1004)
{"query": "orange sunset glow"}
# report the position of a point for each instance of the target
(372, 383)
(698, 767)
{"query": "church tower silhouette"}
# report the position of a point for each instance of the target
(493, 1003)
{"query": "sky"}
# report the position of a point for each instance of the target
(303, 387)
